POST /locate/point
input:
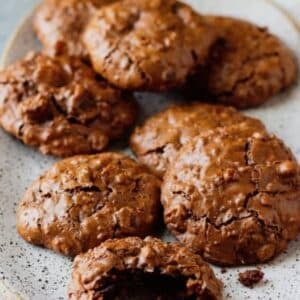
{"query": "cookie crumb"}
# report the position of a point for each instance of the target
(223, 271)
(250, 277)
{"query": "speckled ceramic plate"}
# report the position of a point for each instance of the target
(36, 273)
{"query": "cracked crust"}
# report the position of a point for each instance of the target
(59, 24)
(60, 106)
(233, 198)
(84, 200)
(117, 266)
(148, 45)
(157, 142)
(248, 67)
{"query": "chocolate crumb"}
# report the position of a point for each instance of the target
(250, 277)
(223, 271)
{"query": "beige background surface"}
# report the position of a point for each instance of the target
(292, 7)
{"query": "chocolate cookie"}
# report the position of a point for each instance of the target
(234, 199)
(84, 200)
(59, 24)
(247, 68)
(132, 268)
(61, 107)
(157, 142)
(148, 45)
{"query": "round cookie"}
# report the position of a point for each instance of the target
(158, 140)
(233, 198)
(60, 106)
(132, 268)
(248, 67)
(84, 200)
(148, 45)
(59, 24)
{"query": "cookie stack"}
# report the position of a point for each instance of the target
(226, 189)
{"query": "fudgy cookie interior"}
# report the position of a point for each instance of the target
(138, 284)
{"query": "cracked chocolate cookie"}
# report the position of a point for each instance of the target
(133, 268)
(84, 200)
(59, 24)
(248, 67)
(158, 140)
(148, 45)
(60, 106)
(233, 198)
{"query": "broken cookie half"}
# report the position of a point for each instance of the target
(132, 268)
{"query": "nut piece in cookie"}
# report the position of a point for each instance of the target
(233, 198)
(84, 200)
(158, 140)
(133, 268)
(59, 24)
(248, 67)
(148, 44)
(60, 106)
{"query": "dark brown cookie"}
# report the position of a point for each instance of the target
(157, 142)
(132, 268)
(84, 200)
(247, 68)
(59, 106)
(234, 199)
(59, 24)
(148, 45)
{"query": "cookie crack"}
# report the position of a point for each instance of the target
(158, 150)
(251, 214)
(70, 118)
(257, 191)
(58, 108)
(247, 153)
(228, 222)
(142, 72)
(236, 85)
(241, 81)
(96, 206)
(263, 223)
(85, 189)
